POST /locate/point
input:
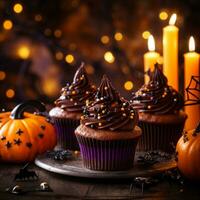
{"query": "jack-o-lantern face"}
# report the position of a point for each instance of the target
(188, 154)
(25, 135)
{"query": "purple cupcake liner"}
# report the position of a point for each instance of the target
(108, 155)
(66, 138)
(161, 137)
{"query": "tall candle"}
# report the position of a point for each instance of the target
(150, 58)
(170, 52)
(191, 67)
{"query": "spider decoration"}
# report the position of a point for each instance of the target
(26, 181)
(60, 155)
(26, 175)
(193, 91)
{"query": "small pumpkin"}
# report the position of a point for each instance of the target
(24, 135)
(188, 154)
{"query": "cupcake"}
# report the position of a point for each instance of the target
(69, 107)
(160, 113)
(108, 134)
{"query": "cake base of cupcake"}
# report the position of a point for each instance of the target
(66, 138)
(160, 132)
(105, 153)
(159, 137)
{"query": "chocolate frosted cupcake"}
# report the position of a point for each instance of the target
(69, 108)
(108, 134)
(160, 114)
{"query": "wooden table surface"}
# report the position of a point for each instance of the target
(65, 187)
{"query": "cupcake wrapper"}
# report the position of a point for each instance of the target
(159, 136)
(66, 138)
(110, 155)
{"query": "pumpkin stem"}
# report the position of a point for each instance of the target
(197, 130)
(18, 111)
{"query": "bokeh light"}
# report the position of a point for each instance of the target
(7, 24)
(125, 69)
(89, 69)
(50, 86)
(105, 39)
(69, 58)
(23, 52)
(38, 18)
(18, 8)
(109, 57)
(163, 15)
(59, 55)
(47, 31)
(118, 36)
(58, 33)
(128, 85)
(10, 93)
(2, 75)
(146, 34)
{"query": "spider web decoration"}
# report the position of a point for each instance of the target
(193, 91)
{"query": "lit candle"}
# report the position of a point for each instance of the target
(170, 52)
(150, 58)
(191, 67)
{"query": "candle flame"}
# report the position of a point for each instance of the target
(172, 20)
(191, 44)
(151, 43)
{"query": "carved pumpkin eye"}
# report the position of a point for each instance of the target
(28, 144)
(3, 137)
(23, 134)
(17, 141)
(43, 127)
(8, 145)
(40, 135)
(19, 132)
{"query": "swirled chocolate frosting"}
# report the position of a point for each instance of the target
(109, 110)
(75, 95)
(157, 97)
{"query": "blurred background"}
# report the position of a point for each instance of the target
(43, 42)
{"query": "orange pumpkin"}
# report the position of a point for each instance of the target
(24, 135)
(188, 154)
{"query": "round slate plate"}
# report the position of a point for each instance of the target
(75, 168)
